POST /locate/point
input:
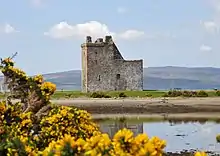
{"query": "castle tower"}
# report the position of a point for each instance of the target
(104, 68)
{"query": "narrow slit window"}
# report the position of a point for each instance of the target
(96, 62)
(118, 76)
(99, 78)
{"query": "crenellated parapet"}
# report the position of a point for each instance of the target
(98, 42)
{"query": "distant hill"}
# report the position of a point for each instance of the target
(155, 78)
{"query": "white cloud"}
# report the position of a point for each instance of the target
(211, 26)
(8, 29)
(61, 30)
(95, 29)
(122, 10)
(205, 48)
(131, 34)
(65, 30)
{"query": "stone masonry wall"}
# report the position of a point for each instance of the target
(104, 68)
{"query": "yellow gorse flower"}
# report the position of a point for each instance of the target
(38, 79)
(200, 154)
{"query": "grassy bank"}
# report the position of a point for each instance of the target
(135, 94)
(75, 94)
(140, 94)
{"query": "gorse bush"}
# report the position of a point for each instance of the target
(33, 120)
(123, 143)
(185, 93)
(33, 126)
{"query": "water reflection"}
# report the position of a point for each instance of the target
(180, 136)
(112, 127)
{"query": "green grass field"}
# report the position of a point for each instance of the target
(141, 94)
(75, 94)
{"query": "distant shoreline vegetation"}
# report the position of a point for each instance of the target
(135, 94)
(138, 94)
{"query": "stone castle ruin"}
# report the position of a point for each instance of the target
(105, 69)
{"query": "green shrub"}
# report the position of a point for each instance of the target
(166, 95)
(106, 96)
(148, 95)
(68, 95)
(202, 93)
(122, 94)
(189, 93)
(217, 92)
(99, 95)
(194, 93)
(218, 138)
(186, 93)
(96, 95)
(174, 93)
(177, 93)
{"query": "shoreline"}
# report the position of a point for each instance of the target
(208, 106)
(194, 107)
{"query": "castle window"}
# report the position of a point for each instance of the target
(96, 52)
(96, 62)
(99, 78)
(118, 76)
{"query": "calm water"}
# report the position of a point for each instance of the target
(192, 135)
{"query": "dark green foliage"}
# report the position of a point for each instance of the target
(189, 93)
(217, 92)
(174, 93)
(202, 93)
(122, 94)
(178, 93)
(218, 138)
(148, 95)
(99, 95)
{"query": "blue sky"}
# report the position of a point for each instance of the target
(47, 33)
